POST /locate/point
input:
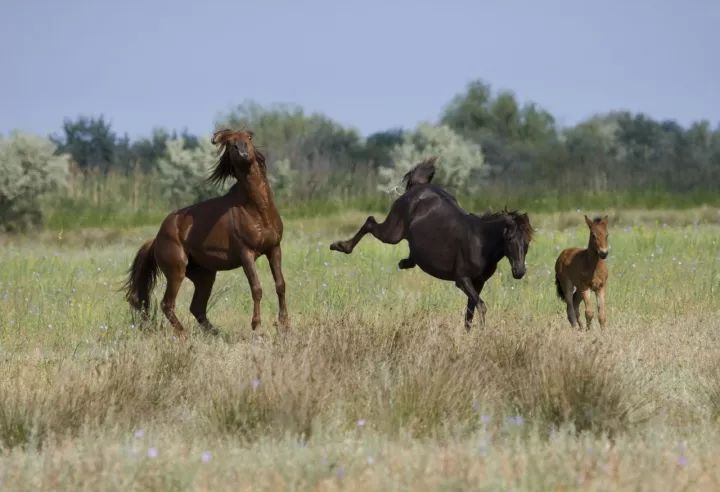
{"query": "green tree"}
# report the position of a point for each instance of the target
(29, 169)
(90, 142)
(378, 147)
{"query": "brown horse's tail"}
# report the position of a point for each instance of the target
(141, 277)
(559, 288)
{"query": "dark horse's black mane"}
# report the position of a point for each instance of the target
(521, 219)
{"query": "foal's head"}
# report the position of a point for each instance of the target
(598, 235)
(517, 235)
(237, 154)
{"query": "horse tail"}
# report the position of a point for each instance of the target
(421, 174)
(559, 289)
(141, 277)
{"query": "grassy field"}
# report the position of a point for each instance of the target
(377, 386)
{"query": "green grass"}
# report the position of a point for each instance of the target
(121, 201)
(377, 386)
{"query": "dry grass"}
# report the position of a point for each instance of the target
(376, 387)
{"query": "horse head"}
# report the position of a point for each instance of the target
(598, 235)
(237, 154)
(517, 235)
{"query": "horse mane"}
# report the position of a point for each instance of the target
(521, 220)
(225, 168)
(420, 174)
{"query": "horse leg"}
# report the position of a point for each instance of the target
(588, 308)
(482, 308)
(577, 298)
(601, 306)
(406, 263)
(571, 314)
(172, 261)
(389, 232)
(275, 260)
(203, 281)
(466, 285)
(248, 264)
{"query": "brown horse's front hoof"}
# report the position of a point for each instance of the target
(339, 246)
(255, 324)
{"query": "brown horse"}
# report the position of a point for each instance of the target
(447, 242)
(222, 233)
(578, 271)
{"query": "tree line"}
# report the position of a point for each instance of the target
(484, 138)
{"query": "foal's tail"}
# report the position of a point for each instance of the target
(141, 277)
(421, 174)
(559, 288)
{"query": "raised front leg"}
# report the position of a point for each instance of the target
(389, 232)
(275, 260)
(601, 307)
(248, 264)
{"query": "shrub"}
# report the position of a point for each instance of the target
(29, 169)
(460, 164)
(184, 171)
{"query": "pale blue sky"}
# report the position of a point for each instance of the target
(369, 64)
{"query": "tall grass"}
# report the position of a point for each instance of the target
(377, 385)
(137, 199)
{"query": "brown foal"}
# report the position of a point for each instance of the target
(222, 233)
(578, 271)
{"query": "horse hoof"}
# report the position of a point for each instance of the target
(338, 246)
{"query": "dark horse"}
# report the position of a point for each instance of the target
(222, 233)
(447, 242)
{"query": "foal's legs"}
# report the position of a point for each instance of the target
(172, 261)
(389, 232)
(568, 292)
(248, 264)
(203, 280)
(275, 260)
(601, 306)
(577, 298)
(588, 308)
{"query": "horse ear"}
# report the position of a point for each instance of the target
(605, 220)
(588, 221)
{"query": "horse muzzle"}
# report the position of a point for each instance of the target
(518, 273)
(603, 254)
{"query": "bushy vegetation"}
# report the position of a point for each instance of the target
(460, 162)
(491, 145)
(29, 169)
(183, 171)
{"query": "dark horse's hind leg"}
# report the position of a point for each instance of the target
(389, 232)
(472, 290)
(203, 281)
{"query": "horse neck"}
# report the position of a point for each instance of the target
(254, 189)
(491, 234)
(591, 253)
